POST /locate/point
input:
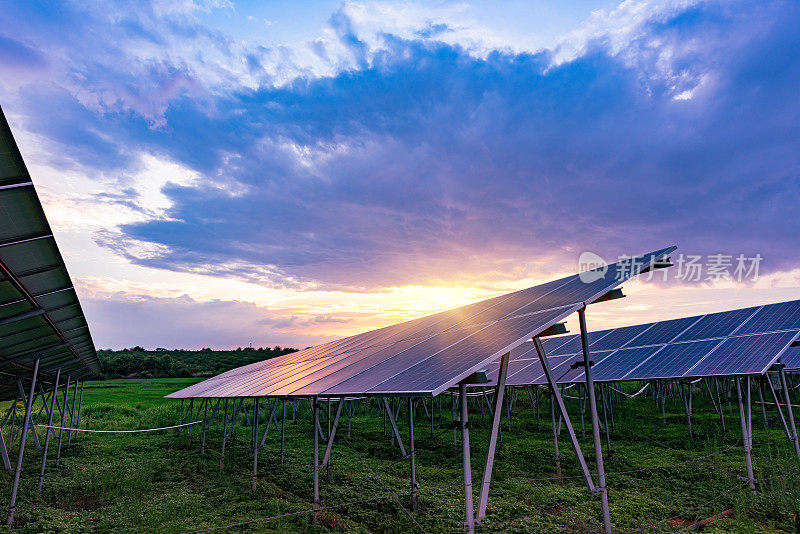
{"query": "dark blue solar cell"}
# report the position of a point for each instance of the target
(716, 325)
(619, 337)
(773, 317)
(662, 332)
(673, 360)
(577, 374)
(791, 358)
(574, 344)
(620, 362)
(744, 355)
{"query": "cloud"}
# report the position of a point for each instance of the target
(123, 320)
(426, 164)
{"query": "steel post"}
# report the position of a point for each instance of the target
(205, 426)
(587, 476)
(745, 436)
(254, 441)
(791, 412)
(470, 514)
(490, 453)
(63, 418)
(49, 430)
(72, 414)
(412, 454)
(24, 438)
(555, 432)
(598, 445)
(224, 435)
(315, 409)
(283, 428)
(80, 403)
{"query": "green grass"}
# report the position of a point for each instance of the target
(159, 482)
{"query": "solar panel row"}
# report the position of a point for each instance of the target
(743, 341)
(40, 315)
(424, 356)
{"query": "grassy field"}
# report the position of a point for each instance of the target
(159, 482)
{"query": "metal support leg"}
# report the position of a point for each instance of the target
(205, 426)
(760, 387)
(283, 428)
(746, 436)
(78, 419)
(15, 486)
(412, 455)
(49, 430)
(4, 452)
(396, 433)
(555, 433)
(587, 476)
(780, 410)
(791, 413)
(496, 418)
(470, 514)
(326, 459)
(224, 435)
(255, 441)
(63, 417)
(598, 445)
(25, 401)
(315, 409)
(72, 414)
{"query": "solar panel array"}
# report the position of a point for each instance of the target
(736, 342)
(427, 355)
(40, 315)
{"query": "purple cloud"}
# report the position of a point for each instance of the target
(427, 163)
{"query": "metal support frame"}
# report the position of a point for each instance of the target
(254, 441)
(412, 455)
(326, 459)
(315, 409)
(598, 445)
(78, 419)
(747, 429)
(555, 433)
(780, 410)
(29, 416)
(396, 432)
(28, 407)
(791, 412)
(63, 418)
(224, 434)
(283, 429)
(483, 498)
(206, 424)
(587, 476)
(72, 414)
(49, 430)
(467, 463)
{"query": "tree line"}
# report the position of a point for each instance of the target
(137, 362)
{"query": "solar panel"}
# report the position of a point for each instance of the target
(716, 324)
(424, 356)
(672, 361)
(791, 358)
(752, 354)
(620, 362)
(782, 316)
(436, 372)
(619, 337)
(664, 331)
(40, 314)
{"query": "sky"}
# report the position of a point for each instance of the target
(224, 173)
